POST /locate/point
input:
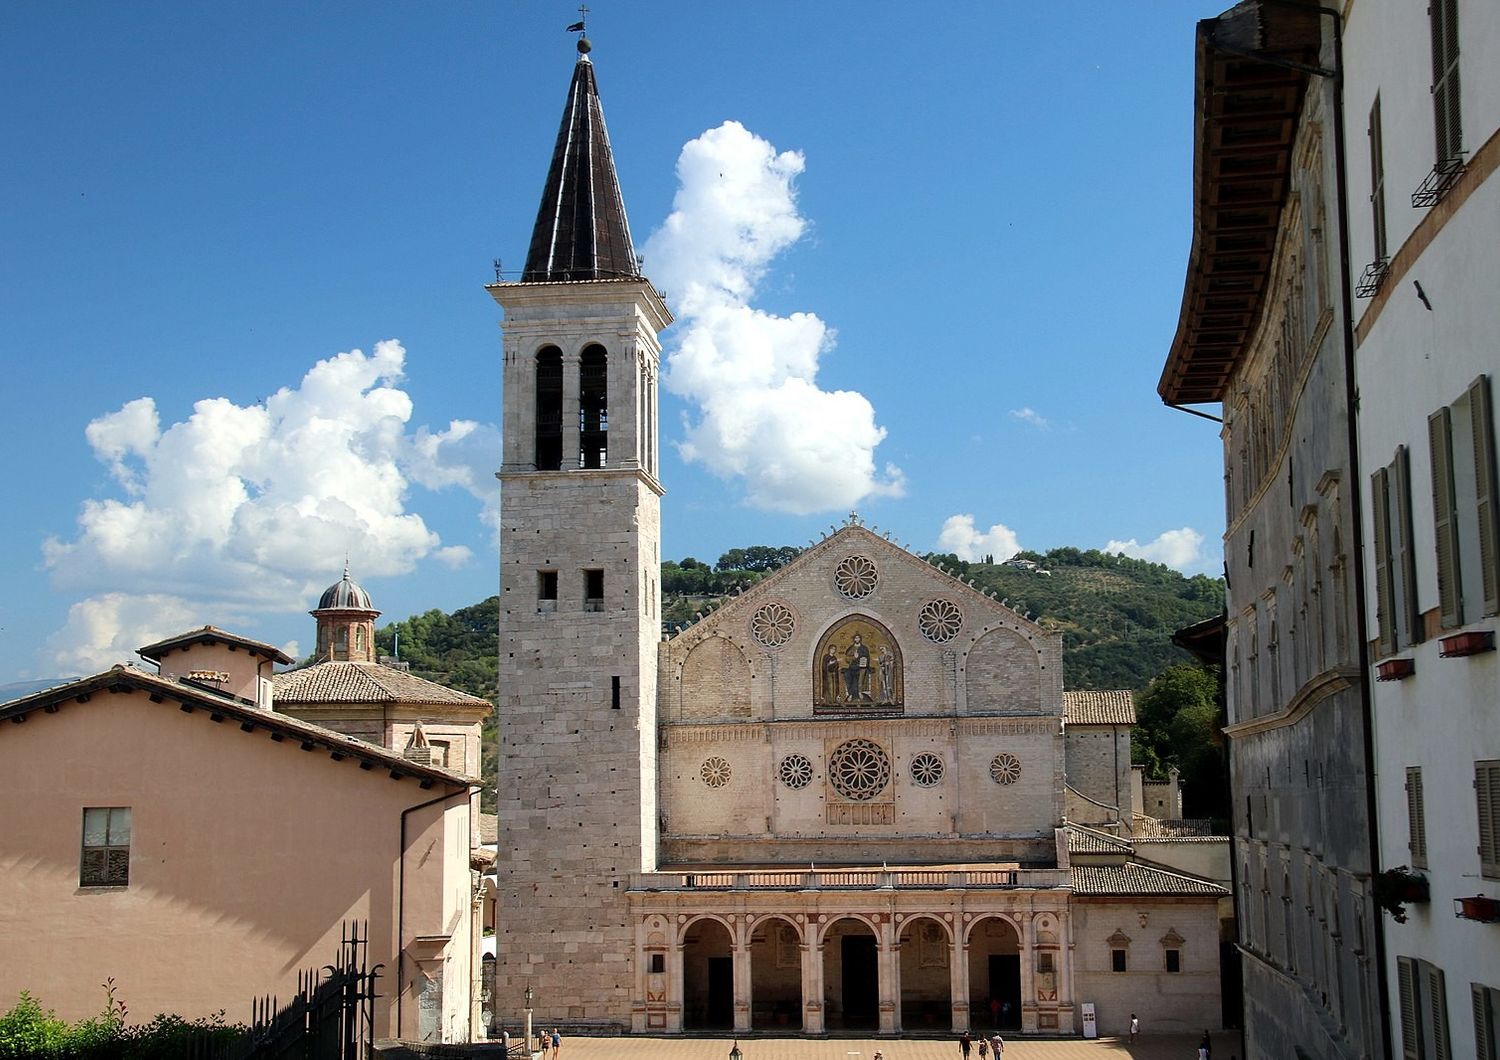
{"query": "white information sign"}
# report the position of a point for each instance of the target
(1090, 1027)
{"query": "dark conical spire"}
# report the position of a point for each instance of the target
(581, 232)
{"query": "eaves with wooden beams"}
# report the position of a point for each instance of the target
(1245, 116)
(231, 714)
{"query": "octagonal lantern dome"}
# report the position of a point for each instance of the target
(345, 595)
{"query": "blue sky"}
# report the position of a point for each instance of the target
(204, 205)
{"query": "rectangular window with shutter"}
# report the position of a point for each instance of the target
(1416, 818)
(1446, 116)
(1486, 1003)
(105, 858)
(1462, 443)
(1487, 795)
(1398, 617)
(1436, 1004)
(1411, 1021)
(1377, 183)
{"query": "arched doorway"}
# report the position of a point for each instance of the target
(994, 974)
(926, 976)
(851, 976)
(707, 976)
(775, 975)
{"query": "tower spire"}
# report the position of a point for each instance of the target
(581, 232)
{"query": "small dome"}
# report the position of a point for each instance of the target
(345, 595)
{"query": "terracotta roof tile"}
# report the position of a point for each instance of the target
(1099, 708)
(1087, 841)
(1138, 879)
(354, 682)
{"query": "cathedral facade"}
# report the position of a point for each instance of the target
(842, 800)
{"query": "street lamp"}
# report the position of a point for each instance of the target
(528, 1018)
(735, 1054)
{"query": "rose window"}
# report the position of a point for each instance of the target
(926, 770)
(795, 771)
(940, 620)
(1005, 769)
(859, 770)
(772, 625)
(855, 577)
(715, 772)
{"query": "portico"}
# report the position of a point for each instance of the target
(889, 950)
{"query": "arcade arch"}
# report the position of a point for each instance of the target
(776, 974)
(926, 954)
(995, 972)
(851, 975)
(707, 975)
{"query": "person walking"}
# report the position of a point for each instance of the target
(556, 1043)
(1205, 1048)
(1135, 1026)
(964, 1043)
(997, 1046)
(984, 1047)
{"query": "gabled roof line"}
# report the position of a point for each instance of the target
(122, 679)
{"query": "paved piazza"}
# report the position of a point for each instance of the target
(1148, 1047)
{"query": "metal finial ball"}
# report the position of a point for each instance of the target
(584, 46)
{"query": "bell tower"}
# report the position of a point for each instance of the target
(580, 559)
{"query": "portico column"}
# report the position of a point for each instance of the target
(888, 967)
(1028, 976)
(674, 985)
(958, 979)
(812, 983)
(1067, 1010)
(742, 998)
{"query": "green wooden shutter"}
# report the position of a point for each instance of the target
(1404, 562)
(1446, 117)
(1416, 818)
(1437, 1004)
(1481, 415)
(1411, 1028)
(1484, 1031)
(1445, 526)
(1380, 503)
(1487, 796)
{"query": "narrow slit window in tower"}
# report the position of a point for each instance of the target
(593, 408)
(593, 590)
(549, 390)
(546, 590)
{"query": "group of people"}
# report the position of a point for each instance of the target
(993, 1046)
(544, 1042)
(854, 676)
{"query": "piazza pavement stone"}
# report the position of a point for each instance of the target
(1226, 1046)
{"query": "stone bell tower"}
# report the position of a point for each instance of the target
(580, 558)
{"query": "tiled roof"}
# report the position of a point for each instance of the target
(212, 635)
(1099, 708)
(1138, 879)
(489, 829)
(1087, 841)
(174, 695)
(1149, 828)
(357, 682)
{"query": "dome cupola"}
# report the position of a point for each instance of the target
(346, 622)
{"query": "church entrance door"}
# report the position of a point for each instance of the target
(861, 982)
(720, 992)
(707, 976)
(1005, 984)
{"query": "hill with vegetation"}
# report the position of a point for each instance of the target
(1116, 615)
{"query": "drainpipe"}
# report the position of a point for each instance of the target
(401, 894)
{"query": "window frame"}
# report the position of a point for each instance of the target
(93, 877)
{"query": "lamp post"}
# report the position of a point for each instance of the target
(528, 1018)
(734, 1053)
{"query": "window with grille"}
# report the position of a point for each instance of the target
(1416, 818)
(1446, 118)
(1487, 792)
(105, 861)
(1462, 442)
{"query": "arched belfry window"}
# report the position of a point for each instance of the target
(593, 407)
(549, 389)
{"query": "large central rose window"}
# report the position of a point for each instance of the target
(859, 770)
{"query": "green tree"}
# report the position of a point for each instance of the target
(1179, 718)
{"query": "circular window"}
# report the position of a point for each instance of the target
(859, 770)
(940, 620)
(715, 772)
(772, 625)
(1005, 769)
(795, 771)
(855, 577)
(926, 770)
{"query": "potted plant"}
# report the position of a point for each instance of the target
(1396, 887)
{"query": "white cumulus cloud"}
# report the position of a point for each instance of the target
(1180, 549)
(240, 509)
(962, 538)
(760, 414)
(1031, 416)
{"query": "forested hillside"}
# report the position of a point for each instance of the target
(1116, 615)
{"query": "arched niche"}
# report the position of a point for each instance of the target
(857, 669)
(1003, 674)
(715, 680)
